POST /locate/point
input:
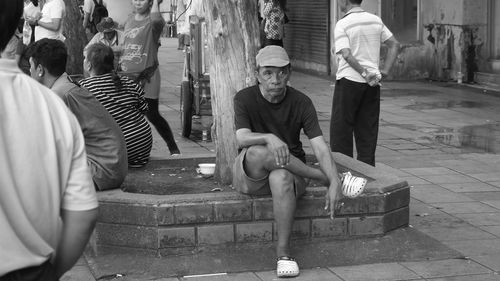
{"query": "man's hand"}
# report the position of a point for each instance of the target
(373, 79)
(279, 149)
(332, 197)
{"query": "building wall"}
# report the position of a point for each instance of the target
(453, 37)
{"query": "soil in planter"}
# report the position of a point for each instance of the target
(166, 180)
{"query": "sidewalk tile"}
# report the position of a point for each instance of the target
(490, 261)
(437, 220)
(475, 247)
(429, 193)
(464, 207)
(78, 273)
(479, 277)
(229, 277)
(466, 166)
(460, 233)
(442, 268)
(425, 171)
(469, 187)
(457, 178)
(372, 272)
(481, 219)
(494, 229)
(483, 196)
(317, 274)
(493, 203)
(495, 183)
(487, 177)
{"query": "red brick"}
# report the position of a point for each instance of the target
(397, 218)
(193, 213)
(233, 211)
(133, 214)
(263, 209)
(216, 234)
(254, 232)
(366, 225)
(127, 235)
(165, 214)
(310, 207)
(176, 237)
(325, 227)
(397, 199)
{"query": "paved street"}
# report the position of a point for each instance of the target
(443, 138)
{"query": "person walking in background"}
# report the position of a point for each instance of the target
(140, 59)
(123, 98)
(104, 141)
(356, 99)
(182, 23)
(109, 36)
(32, 8)
(92, 17)
(274, 22)
(48, 205)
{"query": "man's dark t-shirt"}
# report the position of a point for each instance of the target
(284, 119)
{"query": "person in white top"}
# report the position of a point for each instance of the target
(48, 204)
(49, 23)
(356, 101)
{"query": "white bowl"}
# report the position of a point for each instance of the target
(206, 168)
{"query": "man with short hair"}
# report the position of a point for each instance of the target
(48, 205)
(269, 118)
(104, 140)
(356, 100)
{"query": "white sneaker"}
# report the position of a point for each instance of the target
(352, 186)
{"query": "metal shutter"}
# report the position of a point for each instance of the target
(307, 33)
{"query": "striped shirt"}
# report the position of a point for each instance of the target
(362, 33)
(127, 105)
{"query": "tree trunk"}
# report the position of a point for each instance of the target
(76, 39)
(233, 39)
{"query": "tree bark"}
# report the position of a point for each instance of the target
(233, 39)
(76, 39)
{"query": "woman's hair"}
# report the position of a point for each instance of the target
(35, 2)
(102, 59)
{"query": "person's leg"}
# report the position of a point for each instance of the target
(281, 183)
(161, 125)
(259, 162)
(366, 126)
(345, 104)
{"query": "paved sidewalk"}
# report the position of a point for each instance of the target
(443, 138)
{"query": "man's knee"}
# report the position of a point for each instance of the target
(258, 154)
(281, 182)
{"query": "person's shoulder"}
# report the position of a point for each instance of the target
(247, 92)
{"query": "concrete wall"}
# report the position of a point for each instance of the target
(453, 39)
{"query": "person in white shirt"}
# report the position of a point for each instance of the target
(48, 204)
(49, 23)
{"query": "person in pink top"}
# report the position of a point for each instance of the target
(140, 60)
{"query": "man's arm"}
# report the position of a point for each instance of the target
(369, 77)
(245, 138)
(391, 55)
(329, 168)
(86, 19)
(77, 228)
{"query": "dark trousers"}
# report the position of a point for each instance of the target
(43, 272)
(277, 42)
(355, 111)
(161, 125)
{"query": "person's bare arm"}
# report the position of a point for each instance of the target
(391, 55)
(370, 77)
(53, 25)
(245, 138)
(86, 19)
(76, 231)
(329, 168)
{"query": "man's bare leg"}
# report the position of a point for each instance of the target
(259, 162)
(281, 182)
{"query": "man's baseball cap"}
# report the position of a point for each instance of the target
(272, 55)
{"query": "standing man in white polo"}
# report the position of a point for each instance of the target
(356, 100)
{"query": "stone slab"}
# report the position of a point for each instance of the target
(442, 268)
(375, 272)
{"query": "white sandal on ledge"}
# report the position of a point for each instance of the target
(352, 186)
(287, 267)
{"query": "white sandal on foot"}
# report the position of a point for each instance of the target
(287, 267)
(352, 186)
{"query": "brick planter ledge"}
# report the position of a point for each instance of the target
(168, 224)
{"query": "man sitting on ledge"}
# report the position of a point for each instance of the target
(268, 118)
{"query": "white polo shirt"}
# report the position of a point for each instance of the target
(362, 33)
(53, 9)
(43, 169)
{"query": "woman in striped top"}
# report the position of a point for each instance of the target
(123, 98)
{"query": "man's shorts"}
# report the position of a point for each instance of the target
(247, 185)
